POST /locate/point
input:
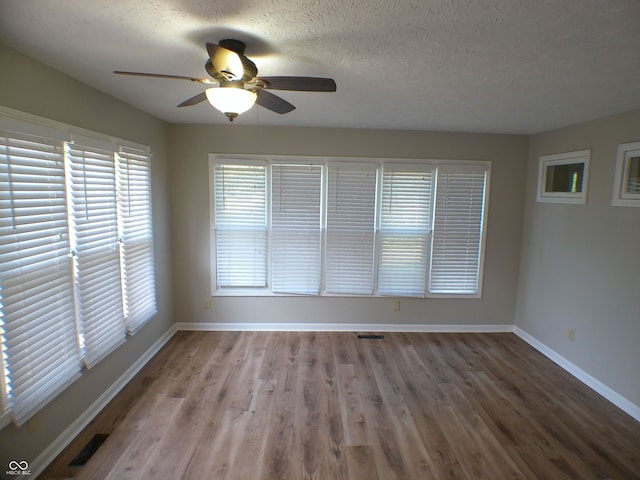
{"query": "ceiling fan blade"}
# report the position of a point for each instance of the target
(300, 84)
(273, 102)
(225, 61)
(201, 97)
(162, 75)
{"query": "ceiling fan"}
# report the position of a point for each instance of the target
(235, 85)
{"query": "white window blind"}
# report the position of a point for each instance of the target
(95, 242)
(350, 237)
(39, 342)
(135, 230)
(344, 226)
(240, 224)
(405, 219)
(457, 232)
(296, 198)
(75, 253)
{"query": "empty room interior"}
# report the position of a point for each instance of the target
(331, 240)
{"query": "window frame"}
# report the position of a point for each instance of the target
(621, 197)
(216, 158)
(560, 159)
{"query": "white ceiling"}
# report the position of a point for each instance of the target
(508, 66)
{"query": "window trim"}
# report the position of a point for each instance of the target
(216, 158)
(558, 159)
(17, 121)
(622, 198)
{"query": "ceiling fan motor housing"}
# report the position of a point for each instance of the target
(233, 45)
(250, 70)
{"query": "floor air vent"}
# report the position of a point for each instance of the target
(371, 337)
(88, 450)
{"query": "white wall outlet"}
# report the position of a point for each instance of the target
(570, 334)
(396, 305)
(207, 303)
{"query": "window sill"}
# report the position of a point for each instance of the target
(258, 294)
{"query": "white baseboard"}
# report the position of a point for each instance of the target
(614, 397)
(339, 327)
(65, 438)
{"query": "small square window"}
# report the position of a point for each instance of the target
(562, 177)
(626, 188)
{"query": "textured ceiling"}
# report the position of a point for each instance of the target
(509, 66)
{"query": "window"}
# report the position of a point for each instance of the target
(76, 254)
(344, 227)
(296, 194)
(39, 342)
(562, 177)
(404, 230)
(133, 174)
(350, 228)
(240, 225)
(456, 251)
(626, 188)
(95, 249)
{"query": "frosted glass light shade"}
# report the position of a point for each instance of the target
(231, 100)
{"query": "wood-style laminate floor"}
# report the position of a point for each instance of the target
(266, 406)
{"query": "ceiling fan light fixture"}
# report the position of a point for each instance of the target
(238, 84)
(231, 101)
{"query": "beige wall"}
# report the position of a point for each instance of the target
(580, 263)
(31, 87)
(190, 146)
